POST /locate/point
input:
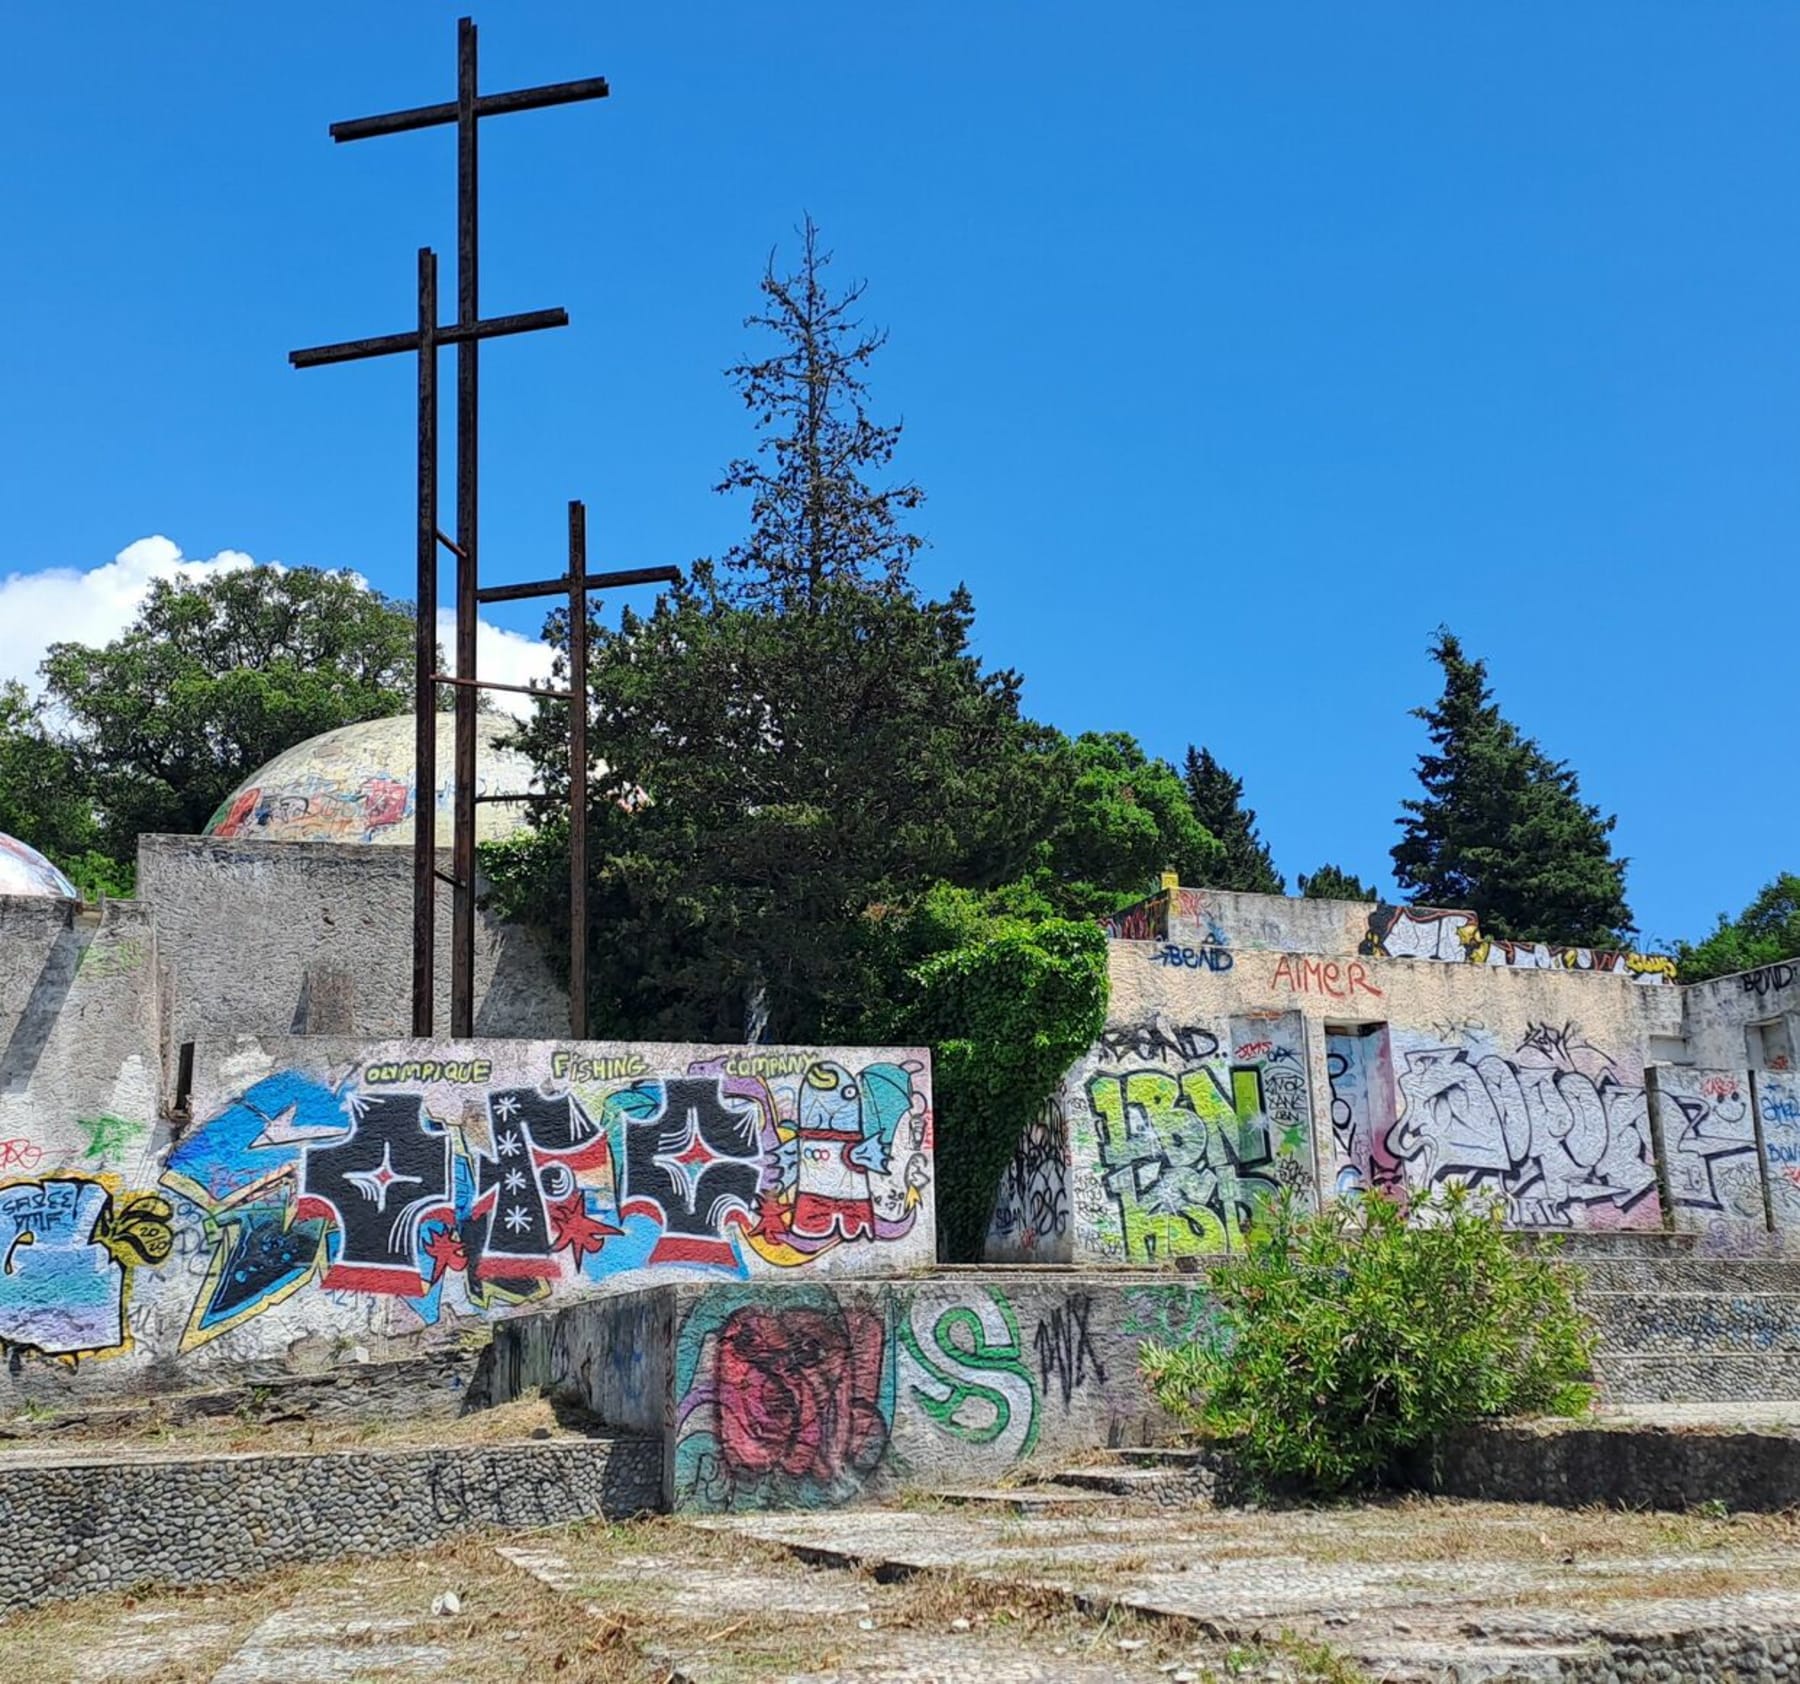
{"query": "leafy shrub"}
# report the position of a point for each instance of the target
(1007, 996)
(1346, 1338)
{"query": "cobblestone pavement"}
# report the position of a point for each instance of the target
(1416, 1588)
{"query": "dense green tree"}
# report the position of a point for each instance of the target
(45, 799)
(214, 677)
(1766, 930)
(1332, 882)
(1217, 801)
(769, 777)
(1501, 828)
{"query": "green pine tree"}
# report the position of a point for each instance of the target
(1331, 882)
(1502, 828)
(1216, 797)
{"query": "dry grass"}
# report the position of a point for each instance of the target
(511, 1629)
(527, 1418)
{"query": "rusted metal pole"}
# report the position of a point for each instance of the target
(578, 770)
(468, 313)
(424, 980)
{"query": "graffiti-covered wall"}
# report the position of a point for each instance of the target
(1203, 920)
(330, 1198)
(81, 1216)
(1228, 1071)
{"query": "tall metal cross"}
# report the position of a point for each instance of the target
(578, 582)
(469, 107)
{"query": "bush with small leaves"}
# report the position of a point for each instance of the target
(1347, 1339)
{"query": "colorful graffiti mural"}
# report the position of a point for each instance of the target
(355, 784)
(1189, 1145)
(1778, 1114)
(1419, 932)
(1031, 1209)
(457, 1192)
(1714, 1171)
(1553, 1126)
(811, 1396)
(70, 1246)
(1359, 1071)
(24, 871)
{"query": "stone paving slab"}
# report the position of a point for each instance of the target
(1473, 1615)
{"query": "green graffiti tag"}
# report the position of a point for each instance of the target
(108, 1135)
(964, 1342)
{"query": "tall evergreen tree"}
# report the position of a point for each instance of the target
(1501, 828)
(1217, 797)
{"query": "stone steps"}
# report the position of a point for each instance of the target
(1628, 1377)
(1711, 1323)
(1688, 1274)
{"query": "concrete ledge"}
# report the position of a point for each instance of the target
(77, 1526)
(1624, 1466)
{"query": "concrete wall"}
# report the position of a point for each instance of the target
(1199, 920)
(796, 1396)
(80, 1059)
(1721, 1013)
(333, 1200)
(295, 938)
(1225, 1073)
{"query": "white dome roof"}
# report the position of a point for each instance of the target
(24, 871)
(355, 784)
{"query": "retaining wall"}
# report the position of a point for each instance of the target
(778, 1395)
(85, 1526)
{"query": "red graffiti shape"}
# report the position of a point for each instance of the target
(20, 1154)
(800, 1392)
(572, 1229)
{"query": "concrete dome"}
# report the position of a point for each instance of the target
(355, 784)
(24, 871)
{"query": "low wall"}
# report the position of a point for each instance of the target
(1623, 1467)
(779, 1395)
(82, 1527)
(336, 1201)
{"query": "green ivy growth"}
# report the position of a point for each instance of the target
(1007, 996)
(1349, 1338)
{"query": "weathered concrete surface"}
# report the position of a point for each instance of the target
(81, 1525)
(289, 938)
(1415, 1589)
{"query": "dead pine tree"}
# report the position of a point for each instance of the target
(816, 520)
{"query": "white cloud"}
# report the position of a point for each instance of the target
(501, 655)
(67, 604)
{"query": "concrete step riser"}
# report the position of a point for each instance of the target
(1695, 1322)
(1720, 1275)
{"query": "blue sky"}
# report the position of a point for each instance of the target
(1239, 345)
